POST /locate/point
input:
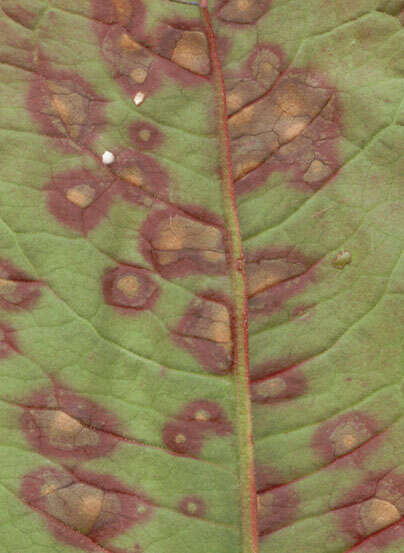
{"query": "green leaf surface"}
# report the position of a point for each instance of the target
(201, 276)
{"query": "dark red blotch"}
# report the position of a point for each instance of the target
(17, 289)
(145, 296)
(88, 413)
(134, 508)
(185, 433)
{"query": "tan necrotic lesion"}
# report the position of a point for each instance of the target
(260, 129)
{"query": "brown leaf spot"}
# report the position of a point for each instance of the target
(192, 52)
(81, 195)
(141, 171)
(276, 508)
(205, 331)
(145, 136)
(183, 438)
(179, 245)
(377, 514)
(199, 419)
(79, 199)
(8, 343)
(316, 172)
(123, 11)
(133, 63)
(60, 423)
(343, 435)
(17, 290)
(130, 288)
(273, 276)
(348, 436)
(288, 385)
(292, 128)
(253, 80)
(243, 11)
(66, 107)
(375, 505)
(96, 506)
(192, 506)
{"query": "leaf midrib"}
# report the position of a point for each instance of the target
(249, 530)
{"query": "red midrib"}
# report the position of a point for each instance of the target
(240, 312)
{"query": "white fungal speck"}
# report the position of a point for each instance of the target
(108, 158)
(139, 98)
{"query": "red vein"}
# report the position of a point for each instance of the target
(249, 531)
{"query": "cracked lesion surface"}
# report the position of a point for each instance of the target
(66, 107)
(91, 505)
(180, 245)
(259, 75)
(280, 124)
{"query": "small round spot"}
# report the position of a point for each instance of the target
(180, 439)
(202, 415)
(139, 98)
(145, 135)
(108, 158)
(192, 506)
(128, 285)
(130, 288)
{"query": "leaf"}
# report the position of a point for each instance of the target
(201, 224)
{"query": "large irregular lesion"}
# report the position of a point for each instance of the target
(206, 331)
(279, 118)
(179, 245)
(259, 75)
(91, 505)
(188, 49)
(66, 106)
(381, 508)
(273, 276)
(130, 58)
(60, 423)
(63, 431)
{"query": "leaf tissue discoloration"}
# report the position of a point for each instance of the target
(206, 331)
(201, 298)
(130, 289)
(185, 433)
(59, 423)
(66, 107)
(17, 289)
(243, 11)
(179, 245)
(86, 504)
